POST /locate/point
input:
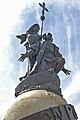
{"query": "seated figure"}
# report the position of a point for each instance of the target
(49, 57)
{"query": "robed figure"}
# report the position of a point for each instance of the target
(43, 54)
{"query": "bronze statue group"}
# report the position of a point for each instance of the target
(42, 53)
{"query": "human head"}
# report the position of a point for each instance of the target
(49, 37)
(34, 28)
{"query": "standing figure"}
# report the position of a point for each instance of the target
(32, 47)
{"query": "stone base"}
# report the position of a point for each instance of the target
(62, 112)
(47, 80)
(32, 102)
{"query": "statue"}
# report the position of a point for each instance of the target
(42, 55)
(44, 58)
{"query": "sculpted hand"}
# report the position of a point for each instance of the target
(67, 72)
(22, 57)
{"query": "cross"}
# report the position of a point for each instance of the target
(43, 11)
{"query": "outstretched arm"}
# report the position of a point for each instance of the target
(67, 72)
(27, 54)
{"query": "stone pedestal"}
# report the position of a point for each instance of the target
(62, 112)
(46, 80)
(32, 102)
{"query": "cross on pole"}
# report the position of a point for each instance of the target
(43, 12)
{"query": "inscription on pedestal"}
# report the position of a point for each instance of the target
(62, 112)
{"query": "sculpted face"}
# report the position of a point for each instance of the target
(49, 37)
(36, 28)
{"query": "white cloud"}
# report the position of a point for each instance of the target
(74, 85)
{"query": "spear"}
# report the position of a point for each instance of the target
(43, 12)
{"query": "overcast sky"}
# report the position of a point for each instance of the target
(63, 20)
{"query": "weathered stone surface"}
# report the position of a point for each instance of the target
(32, 102)
(47, 80)
(40, 105)
(63, 112)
